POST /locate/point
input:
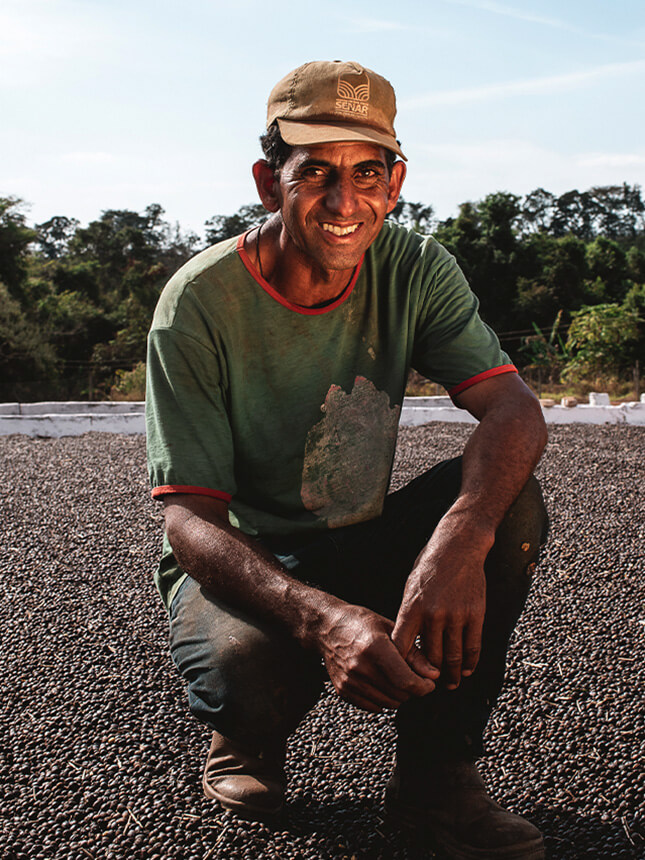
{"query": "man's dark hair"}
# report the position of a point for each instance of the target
(276, 151)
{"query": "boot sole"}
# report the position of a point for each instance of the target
(442, 842)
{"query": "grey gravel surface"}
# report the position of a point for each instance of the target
(100, 758)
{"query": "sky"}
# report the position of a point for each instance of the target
(117, 104)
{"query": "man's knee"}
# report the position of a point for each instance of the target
(513, 558)
(256, 688)
(524, 528)
(245, 679)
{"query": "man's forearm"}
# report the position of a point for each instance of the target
(244, 574)
(501, 454)
(354, 642)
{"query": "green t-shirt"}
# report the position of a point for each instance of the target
(291, 413)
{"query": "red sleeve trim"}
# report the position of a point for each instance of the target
(198, 491)
(480, 377)
(299, 309)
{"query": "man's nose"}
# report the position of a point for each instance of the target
(341, 197)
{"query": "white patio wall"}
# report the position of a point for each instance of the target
(53, 420)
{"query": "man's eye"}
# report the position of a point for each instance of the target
(367, 176)
(314, 173)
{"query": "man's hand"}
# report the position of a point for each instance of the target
(444, 601)
(355, 643)
(445, 596)
(363, 663)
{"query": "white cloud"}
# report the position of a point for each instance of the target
(531, 86)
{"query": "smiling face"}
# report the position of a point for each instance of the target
(333, 199)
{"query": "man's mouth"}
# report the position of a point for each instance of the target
(337, 230)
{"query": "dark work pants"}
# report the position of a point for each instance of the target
(253, 683)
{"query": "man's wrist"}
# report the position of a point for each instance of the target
(472, 522)
(316, 612)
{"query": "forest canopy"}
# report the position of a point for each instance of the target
(561, 279)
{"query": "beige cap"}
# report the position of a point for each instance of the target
(324, 102)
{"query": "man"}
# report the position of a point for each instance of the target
(276, 373)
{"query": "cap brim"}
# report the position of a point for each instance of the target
(303, 133)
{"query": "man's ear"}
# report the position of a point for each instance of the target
(267, 184)
(397, 176)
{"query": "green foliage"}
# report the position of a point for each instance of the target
(600, 341)
(546, 356)
(483, 239)
(635, 304)
(71, 323)
(25, 355)
(635, 300)
(54, 236)
(614, 211)
(130, 384)
(553, 278)
(636, 265)
(221, 227)
(537, 211)
(607, 263)
(414, 216)
(90, 291)
(15, 238)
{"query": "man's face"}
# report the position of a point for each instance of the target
(333, 200)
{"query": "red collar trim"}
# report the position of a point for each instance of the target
(266, 286)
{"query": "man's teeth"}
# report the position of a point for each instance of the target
(339, 231)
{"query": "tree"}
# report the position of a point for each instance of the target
(607, 263)
(600, 341)
(483, 239)
(636, 265)
(574, 214)
(415, 216)
(54, 236)
(635, 304)
(98, 285)
(87, 294)
(499, 214)
(614, 211)
(554, 279)
(462, 236)
(15, 238)
(546, 356)
(121, 241)
(221, 227)
(620, 211)
(26, 358)
(537, 211)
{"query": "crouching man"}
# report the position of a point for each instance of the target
(276, 372)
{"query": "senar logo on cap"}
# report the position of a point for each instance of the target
(324, 102)
(354, 92)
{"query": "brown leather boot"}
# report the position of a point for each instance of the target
(251, 784)
(450, 804)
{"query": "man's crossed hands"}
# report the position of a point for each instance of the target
(375, 663)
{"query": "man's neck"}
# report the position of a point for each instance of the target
(293, 275)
